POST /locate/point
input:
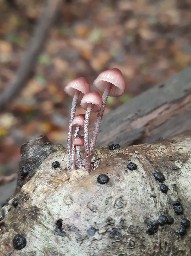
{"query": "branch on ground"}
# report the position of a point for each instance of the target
(6, 179)
(32, 52)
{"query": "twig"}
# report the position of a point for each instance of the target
(7, 179)
(32, 52)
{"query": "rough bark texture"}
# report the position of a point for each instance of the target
(162, 111)
(70, 213)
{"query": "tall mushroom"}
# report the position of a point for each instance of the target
(90, 102)
(111, 82)
(76, 88)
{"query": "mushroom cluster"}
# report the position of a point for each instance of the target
(81, 142)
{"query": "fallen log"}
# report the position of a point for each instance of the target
(136, 201)
(162, 111)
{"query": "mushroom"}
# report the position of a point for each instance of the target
(78, 142)
(75, 88)
(111, 82)
(90, 102)
(77, 124)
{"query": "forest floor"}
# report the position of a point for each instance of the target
(148, 40)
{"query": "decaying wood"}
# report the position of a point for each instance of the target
(162, 111)
(32, 52)
(62, 212)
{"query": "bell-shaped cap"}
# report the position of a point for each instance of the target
(79, 85)
(92, 99)
(78, 120)
(78, 141)
(112, 77)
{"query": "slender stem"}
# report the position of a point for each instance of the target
(78, 157)
(99, 118)
(73, 153)
(78, 148)
(73, 165)
(72, 115)
(86, 138)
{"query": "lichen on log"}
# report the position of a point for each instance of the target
(136, 201)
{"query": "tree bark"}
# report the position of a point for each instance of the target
(60, 212)
(162, 111)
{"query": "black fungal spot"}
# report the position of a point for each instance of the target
(185, 222)
(152, 227)
(130, 244)
(110, 221)
(164, 188)
(122, 223)
(59, 223)
(178, 209)
(113, 146)
(132, 166)
(159, 176)
(15, 202)
(182, 231)
(175, 168)
(58, 229)
(115, 234)
(162, 220)
(55, 164)
(91, 231)
(24, 170)
(170, 220)
(19, 242)
(102, 179)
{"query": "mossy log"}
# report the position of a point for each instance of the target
(140, 205)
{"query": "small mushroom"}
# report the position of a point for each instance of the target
(91, 102)
(77, 125)
(75, 88)
(111, 82)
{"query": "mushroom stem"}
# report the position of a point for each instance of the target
(78, 142)
(74, 149)
(69, 140)
(86, 138)
(78, 157)
(99, 118)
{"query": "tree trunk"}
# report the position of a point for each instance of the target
(140, 205)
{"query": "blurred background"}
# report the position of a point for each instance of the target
(149, 40)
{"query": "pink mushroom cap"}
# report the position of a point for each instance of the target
(113, 77)
(92, 99)
(78, 141)
(78, 120)
(79, 85)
